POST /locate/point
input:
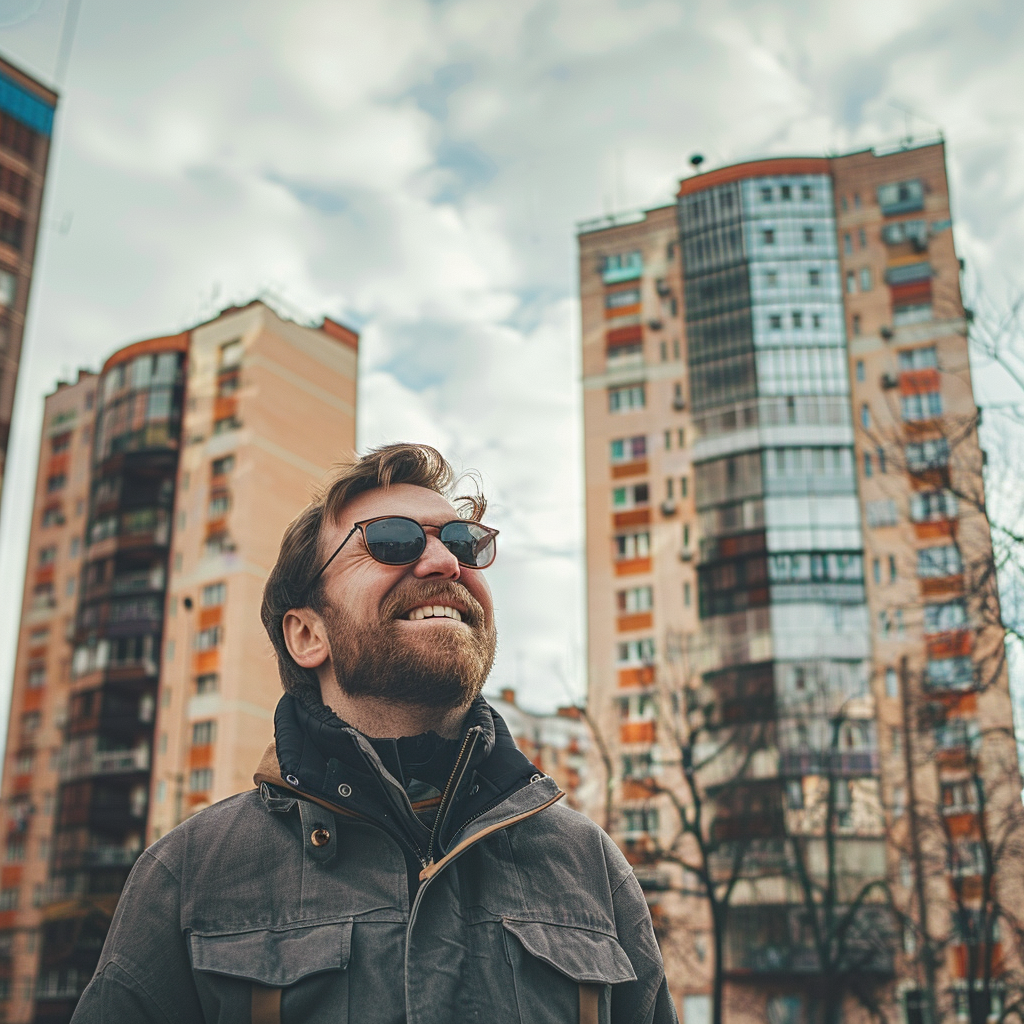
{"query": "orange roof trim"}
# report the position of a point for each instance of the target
(753, 169)
(170, 343)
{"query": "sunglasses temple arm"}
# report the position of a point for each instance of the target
(337, 550)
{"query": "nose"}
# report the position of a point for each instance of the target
(436, 562)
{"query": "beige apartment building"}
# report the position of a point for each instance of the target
(795, 650)
(144, 684)
(27, 110)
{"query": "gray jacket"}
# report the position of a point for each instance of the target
(274, 907)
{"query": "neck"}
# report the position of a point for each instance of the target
(381, 719)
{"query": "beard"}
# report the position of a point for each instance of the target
(443, 672)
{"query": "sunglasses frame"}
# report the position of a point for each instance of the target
(361, 528)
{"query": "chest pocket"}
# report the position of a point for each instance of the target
(564, 974)
(274, 976)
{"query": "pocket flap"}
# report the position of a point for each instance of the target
(580, 954)
(274, 957)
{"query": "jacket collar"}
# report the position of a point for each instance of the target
(320, 757)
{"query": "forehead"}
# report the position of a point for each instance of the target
(419, 503)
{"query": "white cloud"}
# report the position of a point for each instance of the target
(419, 166)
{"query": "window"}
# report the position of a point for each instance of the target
(226, 423)
(775, 321)
(918, 359)
(865, 416)
(865, 279)
(806, 192)
(901, 197)
(207, 683)
(809, 236)
(55, 482)
(856, 323)
(951, 673)
(630, 496)
(814, 278)
(158, 404)
(214, 594)
(9, 898)
(625, 266)
(798, 318)
(629, 449)
(882, 513)
(207, 639)
(219, 467)
(204, 733)
(862, 238)
(622, 298)
(771, 278)
(230, 354)
(61, 443)
(768, 236)
(684, 486)
(880, 453)
(892, 683)
(220, 505)
(626, 399)
(847, 243)
(75, 547)
(639, 820)
(939, 561)
(635, 652)
(786, 192)
(816, 320)
(851, 282)
(959, 797)
(766, 193)
(200, 780)
(938, 618)
(925, 405)
(632, 545)
(30, 722)
(686, 594)
(932, 506)
(637, 599)
(915, 231)
(860, 370)
(868, 467)
(669, 482)
(876, 570)
(922, 455)
(892, 569)
(36, 676)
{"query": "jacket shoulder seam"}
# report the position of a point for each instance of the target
(115, 961)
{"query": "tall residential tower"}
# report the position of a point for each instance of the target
(144, 684)
(793, 622)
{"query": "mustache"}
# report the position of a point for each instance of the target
(410, 594)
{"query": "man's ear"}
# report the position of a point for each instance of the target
(306, 637)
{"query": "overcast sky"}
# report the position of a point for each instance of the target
(416, 169)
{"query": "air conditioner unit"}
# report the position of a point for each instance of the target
(668, 507)
(885, 332)
(679, 403)
(685, 556)
(889, 381)
(655, 325)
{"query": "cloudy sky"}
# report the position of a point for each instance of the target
(417, 168)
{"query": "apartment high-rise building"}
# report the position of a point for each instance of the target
(144, 684)
(26, 124)
(793, 621)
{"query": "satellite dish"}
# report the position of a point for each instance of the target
(696, 160)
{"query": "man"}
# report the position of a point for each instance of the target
(401, 860)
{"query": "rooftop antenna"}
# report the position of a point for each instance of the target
(695, 161)
(908, 113)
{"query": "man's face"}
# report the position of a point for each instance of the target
(377, 649)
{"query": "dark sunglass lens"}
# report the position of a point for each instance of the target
(395, 541)
(470, 543)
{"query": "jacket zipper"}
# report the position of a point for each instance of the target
(448, 797)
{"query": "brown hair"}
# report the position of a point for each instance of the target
(301, 550)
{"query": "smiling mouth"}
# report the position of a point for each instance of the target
(433, 611)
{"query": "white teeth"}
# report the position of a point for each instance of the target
(436, 611)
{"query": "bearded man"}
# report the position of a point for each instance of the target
(400, 860)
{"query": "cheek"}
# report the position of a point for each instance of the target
(476, 584)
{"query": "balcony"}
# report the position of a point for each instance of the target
(829, 762)
(96, 857)
(107, 762)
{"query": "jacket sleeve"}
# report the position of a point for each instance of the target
(646, 1000)
(144, 973)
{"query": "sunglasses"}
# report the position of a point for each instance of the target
(399, 540)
